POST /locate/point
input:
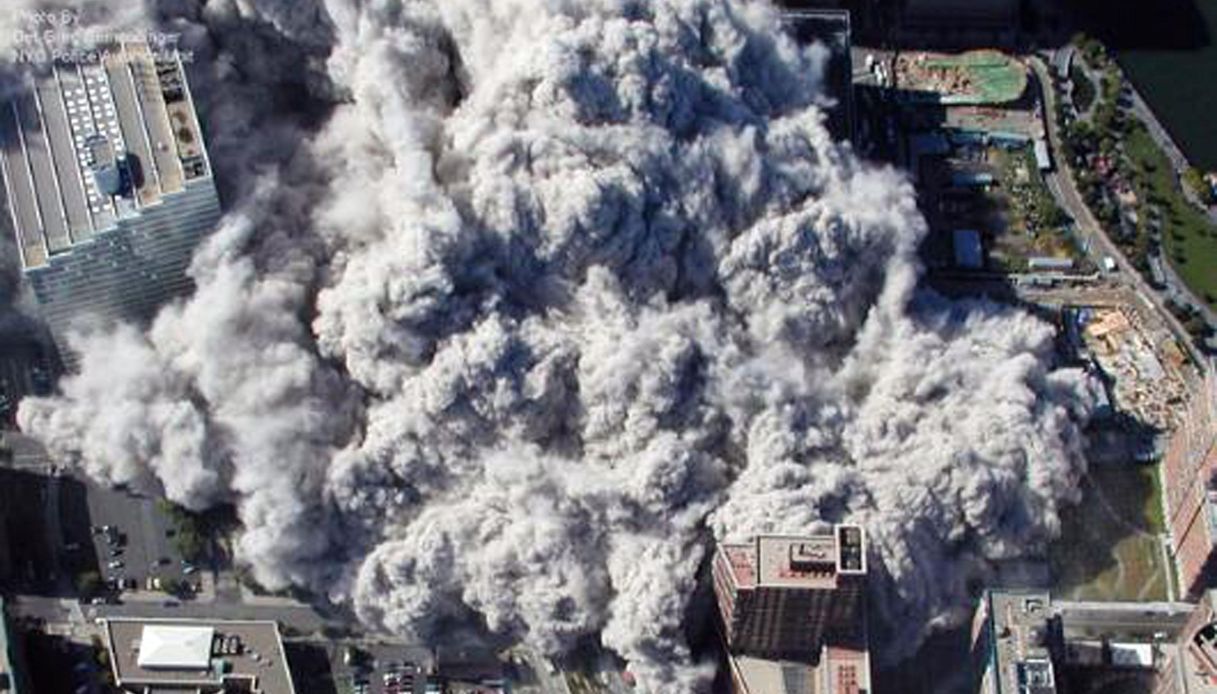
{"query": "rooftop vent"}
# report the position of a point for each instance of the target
(812, 556)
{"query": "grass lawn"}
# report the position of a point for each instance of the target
(1109, 547)
(1189, 239)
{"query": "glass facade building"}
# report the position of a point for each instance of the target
(108, 185)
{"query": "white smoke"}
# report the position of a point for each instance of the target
(539, 295)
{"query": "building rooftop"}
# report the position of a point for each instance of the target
(1028, 630)
(163, 646)
(968, 250)
(840, 670)
(1196, 658)
(1020, 642)
(92, 143)
(197, 655)
(810, 561)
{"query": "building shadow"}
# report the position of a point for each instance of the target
(35, 559)
(934, 669)
(309, 664)
(56, 664)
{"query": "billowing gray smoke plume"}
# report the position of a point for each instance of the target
(538, 297)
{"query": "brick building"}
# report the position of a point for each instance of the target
(792, 612)
(1189, 474)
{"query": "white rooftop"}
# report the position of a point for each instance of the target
(175, 647)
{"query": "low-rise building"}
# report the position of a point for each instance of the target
(162, 656)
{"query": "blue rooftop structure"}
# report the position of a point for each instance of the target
(969, 254)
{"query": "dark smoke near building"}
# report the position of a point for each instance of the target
(519, 302)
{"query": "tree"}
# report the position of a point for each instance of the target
(1193, 178)
(176, 586)
(189, 543)
(193, 531)
(1196, 326)
(89, 584)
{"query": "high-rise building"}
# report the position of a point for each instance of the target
(792, 612)
(1010, 644)
(13, 679)
(831, 28)
(1189, 469)
(1024, 642)
(108, 183)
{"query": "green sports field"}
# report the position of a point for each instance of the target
(1110, 546)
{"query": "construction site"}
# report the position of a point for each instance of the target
(1147, 373)
(984, 77)
(1113, 544)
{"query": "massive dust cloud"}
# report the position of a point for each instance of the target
(520, 303)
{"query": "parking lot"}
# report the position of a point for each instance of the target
(132, 538)
(377, 668)
(54, 523)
